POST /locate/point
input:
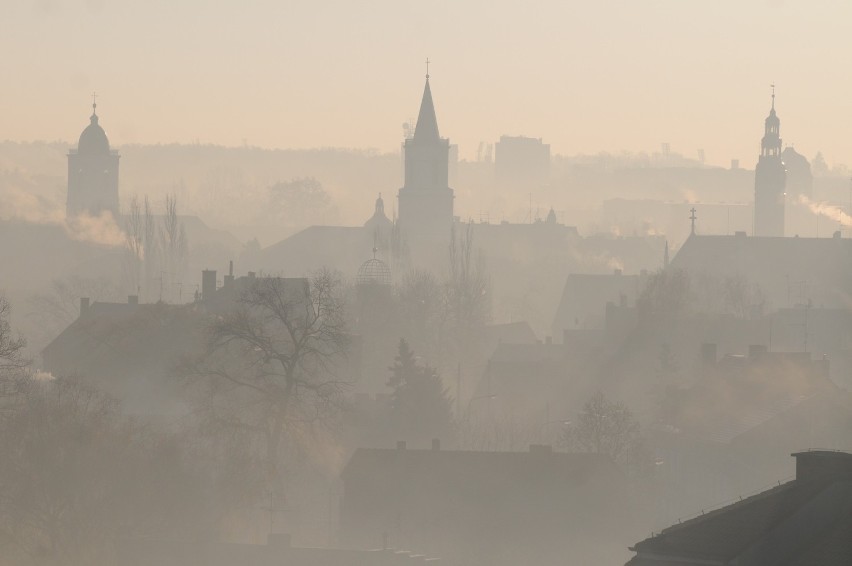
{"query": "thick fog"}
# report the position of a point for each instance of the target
(285, 291)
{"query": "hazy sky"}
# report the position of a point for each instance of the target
(585, 76)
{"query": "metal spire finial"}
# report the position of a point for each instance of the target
(773, 96)
(427, 68)
(693, 217)
(94, 103)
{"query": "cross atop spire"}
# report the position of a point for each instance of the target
(94, 103)
(691, 217)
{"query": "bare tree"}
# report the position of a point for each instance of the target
(272, 365)
(606, 427)
(468, 302)
(134, 232)
(151, 249)
(666, 296)
(76, 476)
(467, 293)
(423, 312)
(174, 248)
(12, 361)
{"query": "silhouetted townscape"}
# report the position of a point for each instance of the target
(539, 349)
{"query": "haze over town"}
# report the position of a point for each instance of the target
(462, 282)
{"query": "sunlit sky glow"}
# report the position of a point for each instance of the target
(586, 77)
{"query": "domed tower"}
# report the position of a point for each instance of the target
(92, 173)
(379, 221)
(770, 179)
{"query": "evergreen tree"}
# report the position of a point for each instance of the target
(421, 408)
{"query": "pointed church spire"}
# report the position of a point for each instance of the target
(666, 256)
(427, 122)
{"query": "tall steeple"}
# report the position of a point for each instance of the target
(426, 199)
(770, 145)
(770, 179)
(427, 122)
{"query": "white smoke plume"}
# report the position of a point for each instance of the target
(828, 210)
(18, 204)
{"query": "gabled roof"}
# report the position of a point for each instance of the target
(788, 524)
(725, 533)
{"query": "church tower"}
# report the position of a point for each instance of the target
(92, 173)
(770, 178)
(426, 199)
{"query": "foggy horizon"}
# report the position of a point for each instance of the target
(580, 79)
(468, 283)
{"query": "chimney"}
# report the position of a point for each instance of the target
(436, 444)
(400, 445)
(229, 278)
(132, 299)
(84, 305)
(823, 465)
(208, 284)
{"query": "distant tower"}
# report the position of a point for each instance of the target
(770, 179)
(92, 173)
(551, 216)
(379, 220)
(426, 199)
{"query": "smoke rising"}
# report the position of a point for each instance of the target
(18, 204)
(830, 211)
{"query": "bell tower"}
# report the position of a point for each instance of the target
(92, 172)
(770, 179)
(426, 200)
